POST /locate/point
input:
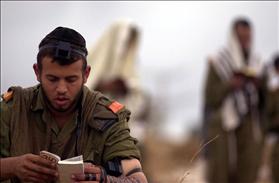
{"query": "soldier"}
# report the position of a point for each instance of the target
(64, 117)
(272, 113)
(231, 110)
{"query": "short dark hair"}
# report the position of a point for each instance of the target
(241, 22)
(64, 45)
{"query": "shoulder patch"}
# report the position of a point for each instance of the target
(103, 124)
(7, 96)
(115, 106)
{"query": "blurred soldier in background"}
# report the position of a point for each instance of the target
(232, 109)
(114, 72)
(272, 113)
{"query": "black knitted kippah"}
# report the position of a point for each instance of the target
(67, 35)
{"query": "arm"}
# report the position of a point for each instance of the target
(28, 167)
(272, 111)
(121, 144)
(6, 170)
(132, 173)
(118, 144)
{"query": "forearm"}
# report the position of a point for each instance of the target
(135, 178)
(132, 173)
(7, 168)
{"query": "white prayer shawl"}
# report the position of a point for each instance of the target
(109, 60)
(272, 78)
(229, 60)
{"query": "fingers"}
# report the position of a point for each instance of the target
(86, 177)
(43, 170)
(90, 168)
(35, 177)
(41, 161)
(31, 176)
(91, 172)
(41, 165)
(37, 174)
(36, 169)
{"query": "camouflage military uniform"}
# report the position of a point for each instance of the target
(99, 131)
(272, 114)
(246, 151)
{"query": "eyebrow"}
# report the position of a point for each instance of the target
(71, 76)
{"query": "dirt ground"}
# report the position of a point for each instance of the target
(165, 162)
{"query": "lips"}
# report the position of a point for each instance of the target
(61, 101)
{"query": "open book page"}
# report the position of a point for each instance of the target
(66, 167)
(73, 159)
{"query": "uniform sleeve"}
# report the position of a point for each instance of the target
(5, 112)
(215, 89)
(119, 143)
(272, 111)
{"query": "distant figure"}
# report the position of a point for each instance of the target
(114, 73)
(232, 109)
(272, 112)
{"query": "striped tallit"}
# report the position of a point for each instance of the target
(226, 62)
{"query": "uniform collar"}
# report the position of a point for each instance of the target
(38, 104)
(38, 100)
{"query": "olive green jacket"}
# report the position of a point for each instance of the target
(99, 133)
(215, 92)
(272, 110)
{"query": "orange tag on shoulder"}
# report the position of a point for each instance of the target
(115, 106)
(7, 96)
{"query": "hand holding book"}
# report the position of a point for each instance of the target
(66, 168)
(91, 173)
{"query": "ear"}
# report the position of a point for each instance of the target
(37, 72)
(86, 73)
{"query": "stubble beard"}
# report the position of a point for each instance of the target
(71, 106)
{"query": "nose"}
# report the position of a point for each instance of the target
(61, 87)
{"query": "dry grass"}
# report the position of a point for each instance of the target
(166, 162)
(187, 172)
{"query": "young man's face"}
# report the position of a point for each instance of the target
(61, 84)
(244, 36)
